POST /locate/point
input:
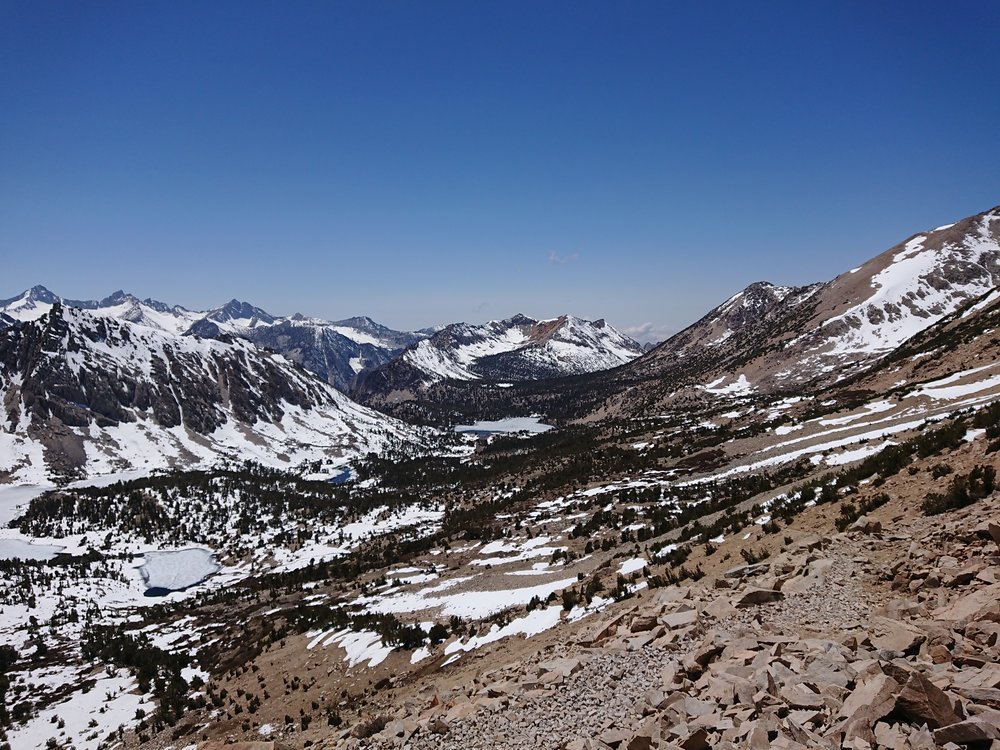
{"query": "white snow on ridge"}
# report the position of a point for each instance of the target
(435, 362)
(566, 345)
(906, 299)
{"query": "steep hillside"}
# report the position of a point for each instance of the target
(808, 337)
(85, 394)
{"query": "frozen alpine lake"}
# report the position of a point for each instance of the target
(164, 572)
(20, 549)
(504, 426)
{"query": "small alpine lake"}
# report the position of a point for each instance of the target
(164, 572)
(507, 426)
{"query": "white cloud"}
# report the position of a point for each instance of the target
(561, 260)
(648, 332)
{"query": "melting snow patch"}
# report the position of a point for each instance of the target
(533, 623)
(630, 566)
(359, 646)
(741, 387)
(854, 455)
(110, 703)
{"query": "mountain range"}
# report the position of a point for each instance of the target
(86, 381)
(335, 351)
(122, 383)
(85, 394)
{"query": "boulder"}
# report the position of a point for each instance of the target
(680, 619)
(643, 624)
(994, 531)
(895, 635)
(742, 571)
(754, 596)
(872, 699)
(923, 702)
(969, 606)
(866, 525)
(967, 732)
(613, 737)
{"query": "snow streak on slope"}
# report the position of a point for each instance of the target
(921, 284)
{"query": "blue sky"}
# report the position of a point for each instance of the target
(429, 162)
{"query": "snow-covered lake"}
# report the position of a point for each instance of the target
(18, 548)
(14, 498)
(164, 572)
(506, 426)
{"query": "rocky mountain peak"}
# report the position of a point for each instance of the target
(39, 293)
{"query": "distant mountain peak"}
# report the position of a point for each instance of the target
(518, 348)
(41, 293)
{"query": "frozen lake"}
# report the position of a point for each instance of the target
(505, 426)
(18, 548)
(15, 498)
(164, 572)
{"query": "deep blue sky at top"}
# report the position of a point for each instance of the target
(427, 162)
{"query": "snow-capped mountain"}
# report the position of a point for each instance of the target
(37, 301)
(743, 309)
(776, 338)
(336, 351)
(506, 351)
(87, 394)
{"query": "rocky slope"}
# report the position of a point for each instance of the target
(769, 338)
(86, 394)
(870, 638)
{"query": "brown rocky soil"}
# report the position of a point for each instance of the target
(862, 639)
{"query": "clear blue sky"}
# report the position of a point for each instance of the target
(427, 162)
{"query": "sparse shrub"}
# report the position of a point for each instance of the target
(963, 490)
(371, 726)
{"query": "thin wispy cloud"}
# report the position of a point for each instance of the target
(648, 332)
(555, 259)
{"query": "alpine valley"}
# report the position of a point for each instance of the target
(777, 528)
